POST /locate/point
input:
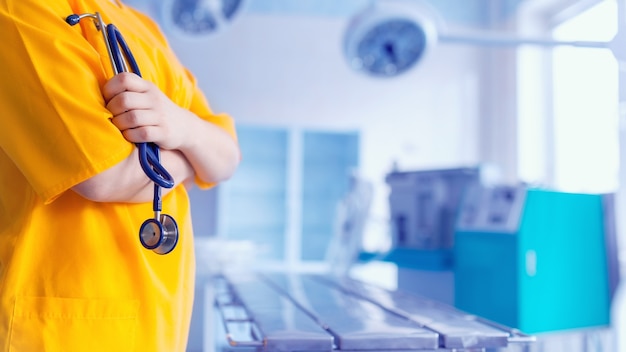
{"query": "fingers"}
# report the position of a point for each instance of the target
(128, 97)
(128, 101)
(142, 134)
(139, 126)
(142, 112)
(124, 82)
(133, 119)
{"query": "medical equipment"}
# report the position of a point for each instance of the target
(159, 234)
(350, 222)
(387, 38)
(199, 18)
(535, 259)
(423, 206)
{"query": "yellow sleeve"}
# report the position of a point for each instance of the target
(56, 128)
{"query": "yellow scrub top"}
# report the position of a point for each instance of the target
(73, 274)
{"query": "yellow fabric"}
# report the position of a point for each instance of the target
(73, 275)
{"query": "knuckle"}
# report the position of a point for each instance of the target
(116, 122)
(125, 78)
(133, 117)
(124, 100)
(137, 135)
(144, 134)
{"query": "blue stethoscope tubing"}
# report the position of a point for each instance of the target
(148, 152)
(159, 234)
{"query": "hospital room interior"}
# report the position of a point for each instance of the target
(416, 175)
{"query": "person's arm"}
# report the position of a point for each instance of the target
(126, 181)
(190, 145)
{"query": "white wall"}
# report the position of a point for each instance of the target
(290, 71)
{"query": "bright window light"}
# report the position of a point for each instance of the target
(585, 104)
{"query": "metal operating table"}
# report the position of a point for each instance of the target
(306, 312)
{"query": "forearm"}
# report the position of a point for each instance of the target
(211, 151)
(126, 181)
(192, 145)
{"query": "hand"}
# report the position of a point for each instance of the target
(143, 113)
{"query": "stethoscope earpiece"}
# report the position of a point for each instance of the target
(72, 19)
(159, 234)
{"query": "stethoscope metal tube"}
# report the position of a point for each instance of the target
(73, 20)
(159, 234)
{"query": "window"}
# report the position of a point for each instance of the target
(585, 100)
(568, 115)
(285, 193)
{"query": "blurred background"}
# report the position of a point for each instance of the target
(472, 152)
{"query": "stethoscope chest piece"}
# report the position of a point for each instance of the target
(159, 235)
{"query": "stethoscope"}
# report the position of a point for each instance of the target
(159, 234)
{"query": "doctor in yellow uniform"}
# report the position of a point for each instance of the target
(73, 274)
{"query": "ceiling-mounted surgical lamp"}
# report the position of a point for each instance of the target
(199, 18)
(389, 37)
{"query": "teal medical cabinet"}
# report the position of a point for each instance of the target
(535, 259)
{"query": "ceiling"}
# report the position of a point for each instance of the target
(464, 12)
(475, 12)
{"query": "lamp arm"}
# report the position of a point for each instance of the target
(490, 39)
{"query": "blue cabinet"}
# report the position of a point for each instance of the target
(534, 259)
